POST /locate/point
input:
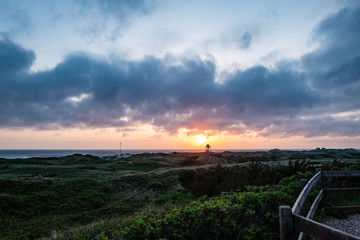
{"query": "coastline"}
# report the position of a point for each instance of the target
(39, 153)
(30, 153)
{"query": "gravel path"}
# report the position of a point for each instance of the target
(349, 225)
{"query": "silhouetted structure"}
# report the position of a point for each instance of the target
(207, 148)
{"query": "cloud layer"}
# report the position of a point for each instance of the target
(175, 92)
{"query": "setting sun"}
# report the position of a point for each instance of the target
(200, 138)
(222, 85)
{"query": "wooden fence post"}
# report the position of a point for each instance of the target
(302, 183)
(286, 223)
(319, 182)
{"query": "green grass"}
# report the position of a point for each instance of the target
(41, 170)
(342, 200)
(252, 214)
(79, 190)
(33, 208)
(29, 161)
(144, 167)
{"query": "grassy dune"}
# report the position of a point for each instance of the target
(159, 195)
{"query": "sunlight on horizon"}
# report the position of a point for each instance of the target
(147, 137)
(200, 138)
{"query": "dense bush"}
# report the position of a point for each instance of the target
(252, 214)
(335, 165)
(213, 182)
(30, 209)
(33, 208)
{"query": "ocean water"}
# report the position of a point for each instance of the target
(23, 153)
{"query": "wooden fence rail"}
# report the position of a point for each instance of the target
(340, 173)
(291, 220)
(300, 201)
(330, 191)
(318, 230)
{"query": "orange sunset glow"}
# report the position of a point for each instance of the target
(200, 138)
(179, 119)
(254, 75)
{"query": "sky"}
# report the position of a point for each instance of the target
(166, 74)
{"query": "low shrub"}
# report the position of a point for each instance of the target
(252, 214)
(213, 182)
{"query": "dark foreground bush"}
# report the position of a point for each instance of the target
(30, 209)
(252, 214)
(214, 181)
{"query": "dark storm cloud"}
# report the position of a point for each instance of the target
(324, 126)
(336, 63)
(333, 68)
(83, 91)
(173, 92)
(13, 58)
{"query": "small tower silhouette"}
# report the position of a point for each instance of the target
(207, 148)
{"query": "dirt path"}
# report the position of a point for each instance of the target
(206, 166)
(170, 169)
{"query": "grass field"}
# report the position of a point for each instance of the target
(40, 196)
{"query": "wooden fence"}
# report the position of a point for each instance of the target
(291, 220)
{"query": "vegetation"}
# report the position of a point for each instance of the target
(145, 167)
(251, 214)
(214, 181)
(40, 195)
(339, 199)
(87, 197)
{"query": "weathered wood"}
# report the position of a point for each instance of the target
(318, 230)
(302, 236)
(341, 191)
(302, 184)
(315, 205)
(319, 182)
(307, 226)
(312, 211)
(286, 223)
(304, 193)
(341, 173)
(349, 209)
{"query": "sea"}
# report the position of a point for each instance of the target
(25, 153)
